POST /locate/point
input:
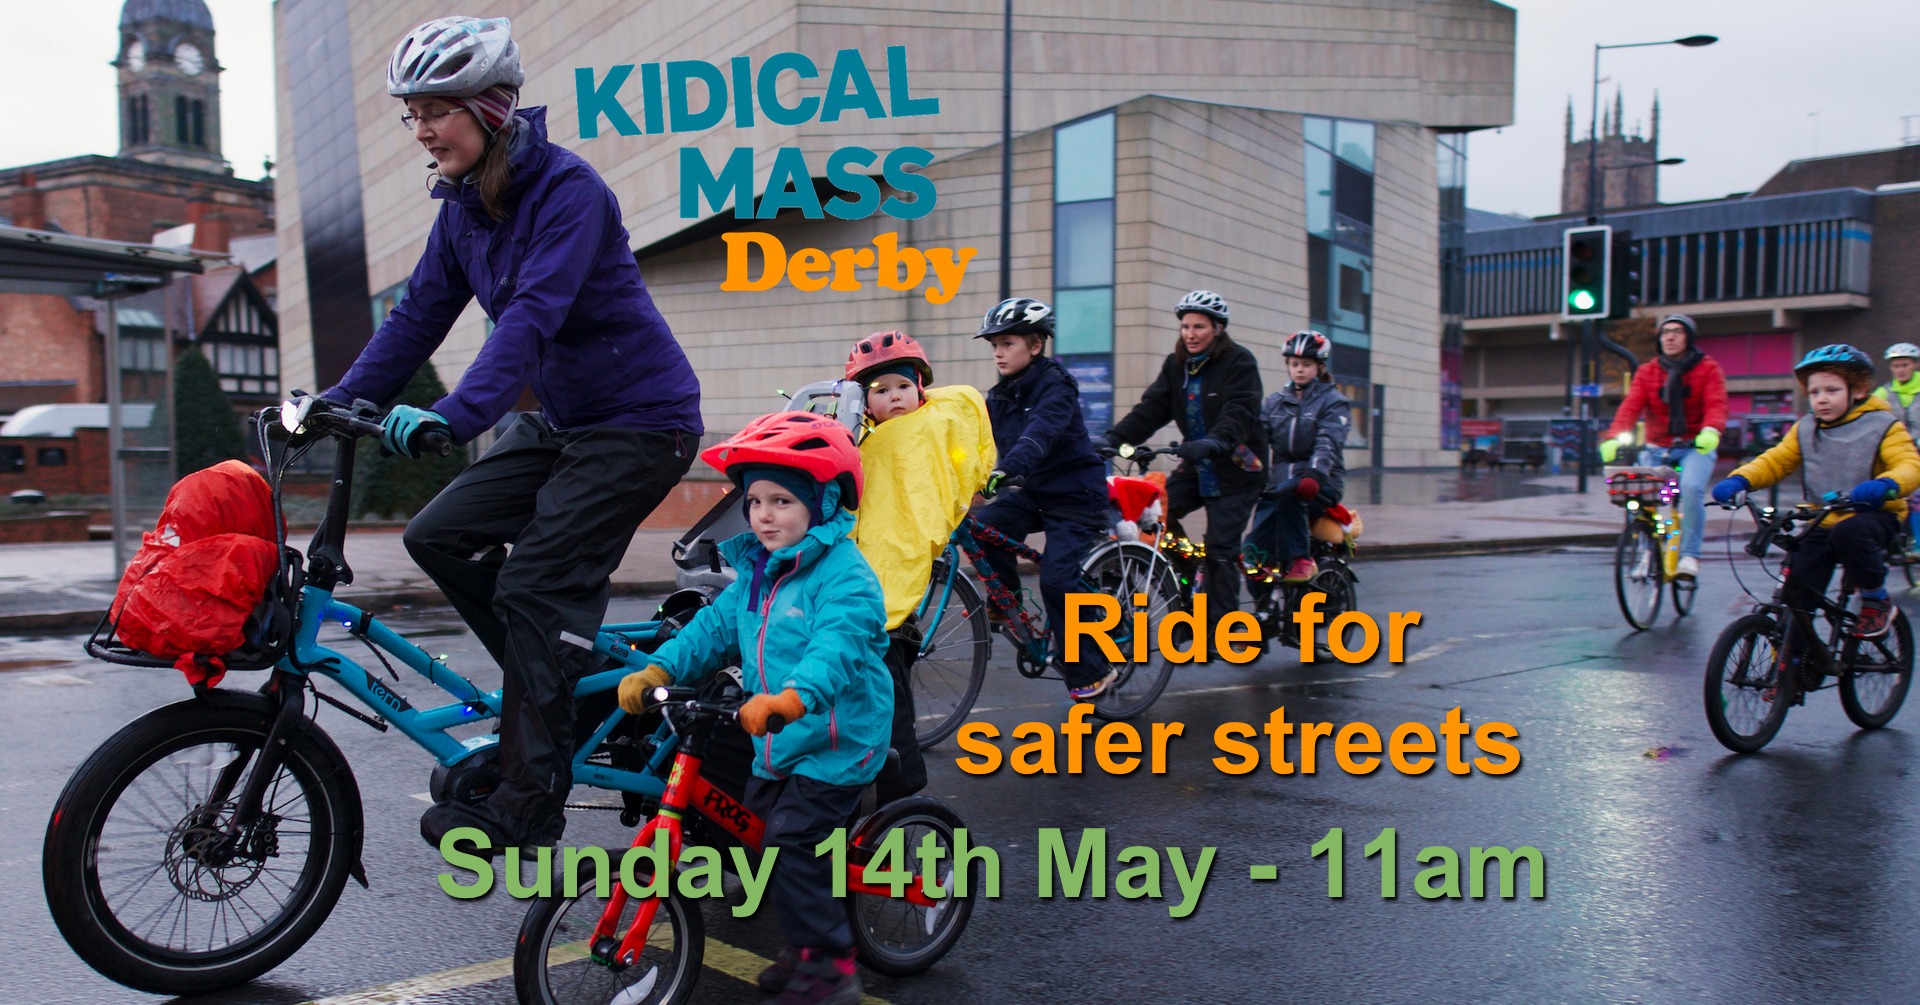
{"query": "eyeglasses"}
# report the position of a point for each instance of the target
(431, 120)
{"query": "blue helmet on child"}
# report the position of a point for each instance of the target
(1840, 355)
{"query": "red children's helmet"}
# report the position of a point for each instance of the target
(803, 441)
(881, 348)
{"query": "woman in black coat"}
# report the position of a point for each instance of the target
(1210, 388)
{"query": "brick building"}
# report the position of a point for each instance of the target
(168, 175)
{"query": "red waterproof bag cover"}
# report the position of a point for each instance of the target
(201, 571)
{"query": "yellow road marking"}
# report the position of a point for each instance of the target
(732, 961)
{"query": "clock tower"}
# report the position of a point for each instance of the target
(169, 85)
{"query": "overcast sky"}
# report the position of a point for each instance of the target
(1788, 79)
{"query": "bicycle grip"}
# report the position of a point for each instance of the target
(775, 723)
(436, 440)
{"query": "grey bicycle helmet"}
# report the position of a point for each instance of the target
(455, 57)
(1206, 302)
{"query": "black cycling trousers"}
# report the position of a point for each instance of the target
(800, 812)
(1226, 524)
(567, 504)
(1859, 543)
(906, 773)
(1073, 522)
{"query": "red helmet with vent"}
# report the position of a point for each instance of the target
(803, 441)
(881, 348)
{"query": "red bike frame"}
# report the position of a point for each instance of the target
(688, 789)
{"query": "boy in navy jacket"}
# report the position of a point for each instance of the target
(1043, 441)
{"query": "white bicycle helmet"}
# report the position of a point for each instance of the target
(1902, 350)
(1206, 302)
(455, 57)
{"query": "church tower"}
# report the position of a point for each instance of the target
(1629, 174)
(169, 85)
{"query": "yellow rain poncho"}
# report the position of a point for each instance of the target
(922, 470)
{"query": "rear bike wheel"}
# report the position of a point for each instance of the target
(1123, 571)
(1638, 579)
(1337, 582)
(553, 962)
(1875, 682)
(1746, 693)
(140, 875)
(953, 659)
(893, 935)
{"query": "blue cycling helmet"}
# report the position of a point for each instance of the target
(1839, 355)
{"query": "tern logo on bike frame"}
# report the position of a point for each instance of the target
(387, 696)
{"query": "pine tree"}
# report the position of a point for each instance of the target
(206, 429)
(398, 486)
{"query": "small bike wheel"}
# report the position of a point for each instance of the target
(1746, 694)
(895, 936)
(1876, 681)
(141, 877)
(953, 658)
(1683, 591)
(1124, 571)
(1638, 580)
(554, 964)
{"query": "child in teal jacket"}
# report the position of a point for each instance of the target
(807, 622)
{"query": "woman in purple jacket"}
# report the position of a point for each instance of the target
(529, 230)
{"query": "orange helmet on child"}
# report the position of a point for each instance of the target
(814, 444)
(882, 348)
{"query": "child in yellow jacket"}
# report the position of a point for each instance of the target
(926, 452)
(1848, 446)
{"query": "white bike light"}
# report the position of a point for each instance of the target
(293, 414)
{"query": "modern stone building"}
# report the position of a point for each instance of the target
(1305, 160)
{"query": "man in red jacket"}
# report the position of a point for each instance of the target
(1683, 395)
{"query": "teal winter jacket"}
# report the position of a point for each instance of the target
(819, 627)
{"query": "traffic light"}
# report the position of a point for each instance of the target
(1585, 256)
(1624, 276)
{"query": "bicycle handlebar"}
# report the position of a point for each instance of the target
(687, 700)
(356, 420)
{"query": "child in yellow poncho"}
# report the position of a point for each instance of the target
(926, 452)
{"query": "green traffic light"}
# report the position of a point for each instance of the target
(1583, 300)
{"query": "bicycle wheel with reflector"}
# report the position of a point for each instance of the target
(953, 656)
(1746, 695)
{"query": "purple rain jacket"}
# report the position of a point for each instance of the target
(571, 315)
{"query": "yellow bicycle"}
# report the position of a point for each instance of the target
(1647, 557)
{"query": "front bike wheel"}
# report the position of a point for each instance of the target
(1124, 571)
(1877, 677)
(953, 659)
(1638, 580)
(143, 880)
(1747, 695)
(895, 936)
(553, 961)
(1683, 591)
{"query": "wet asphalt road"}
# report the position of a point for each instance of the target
(1675, 872)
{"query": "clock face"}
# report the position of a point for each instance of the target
(137, 56)
(187, 56)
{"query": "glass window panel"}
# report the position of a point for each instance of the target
(1350, 282)
(1353, 142)
(1353, 193)
(1320, 132)
(273, 360)
(1319, 193)
(1083, 160)
(1094, 374)
(1351, 337)
(1317, 252)
(229, 384)
(1083, 244)
(223, 359)
(1085, 321)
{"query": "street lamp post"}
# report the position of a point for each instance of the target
(1590, 333)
